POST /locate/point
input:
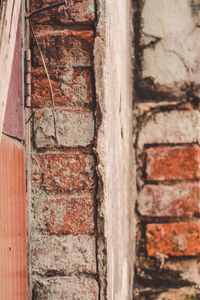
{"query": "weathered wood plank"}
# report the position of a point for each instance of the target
(7, 45)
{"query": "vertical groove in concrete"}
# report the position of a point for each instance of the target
(113, 74)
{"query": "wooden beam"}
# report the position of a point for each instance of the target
(8, 29)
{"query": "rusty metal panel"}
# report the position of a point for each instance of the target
(13, 254)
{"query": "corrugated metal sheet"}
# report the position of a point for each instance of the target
(13, 254)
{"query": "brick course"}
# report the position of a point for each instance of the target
(173, 163)
(63, 231)
(177, 200)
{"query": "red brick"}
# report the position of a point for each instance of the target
(173, 163)
(63, 172)
(72, 88)
(64, 48)
(176, 239)
(170, 200)
(70, 214)
(72, 13)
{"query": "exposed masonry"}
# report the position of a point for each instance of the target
(67, 237)
(167, 136)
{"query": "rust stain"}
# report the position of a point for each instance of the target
(13, 257)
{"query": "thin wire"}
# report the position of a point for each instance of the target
(44, 8)
(49, 80)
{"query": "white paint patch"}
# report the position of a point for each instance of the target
(175, 57)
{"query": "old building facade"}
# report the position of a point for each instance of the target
(109, 201)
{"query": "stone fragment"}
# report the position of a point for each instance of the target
(44, 129)
(73, 128)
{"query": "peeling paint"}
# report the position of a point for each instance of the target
(175, 57)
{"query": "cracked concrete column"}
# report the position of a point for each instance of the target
(113, 72)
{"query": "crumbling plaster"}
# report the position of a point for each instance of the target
(170, 37)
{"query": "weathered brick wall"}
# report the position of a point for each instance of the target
(167, 41)
(63, 217)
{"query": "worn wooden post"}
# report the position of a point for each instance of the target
(8, 29)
